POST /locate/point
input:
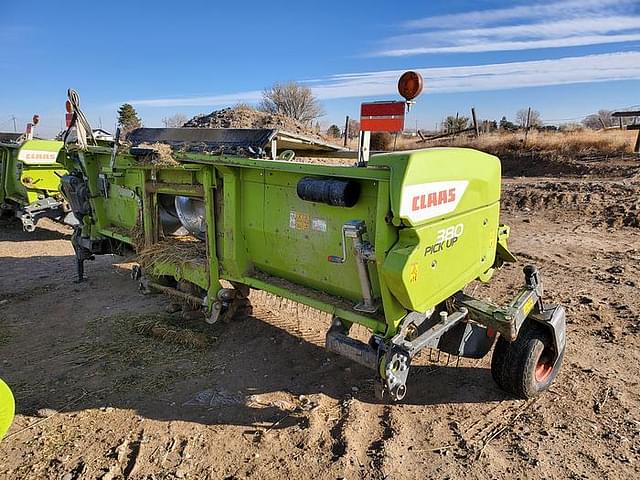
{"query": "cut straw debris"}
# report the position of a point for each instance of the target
(162, 155)
(167, 332)
(179, 250)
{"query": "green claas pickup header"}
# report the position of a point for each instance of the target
(30, 172)
(388, 244)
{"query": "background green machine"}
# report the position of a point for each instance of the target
(389, 246)
(30, 172)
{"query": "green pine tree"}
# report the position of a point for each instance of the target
(128, 118)
(334, 131)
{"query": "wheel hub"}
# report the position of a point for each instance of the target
(544, 368)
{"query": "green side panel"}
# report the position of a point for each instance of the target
(434, 261)
(474, 176)
(196, 273)
(31, 170)
(447, 199)
(292, 238)
(115, 214)
(124, 200)
(41, 181)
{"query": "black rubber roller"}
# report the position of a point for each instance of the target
(332, 191)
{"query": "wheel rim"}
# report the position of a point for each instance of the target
(544, 367)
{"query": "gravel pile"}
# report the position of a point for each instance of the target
(247, 117)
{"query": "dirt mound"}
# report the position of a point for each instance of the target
(613, 204)
(537, 164)
(585, 152)
(246, 117)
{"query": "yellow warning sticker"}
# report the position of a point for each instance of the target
(528, 305)
(299, 221)
(413, 276)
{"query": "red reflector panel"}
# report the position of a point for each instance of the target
(378, 109)
(382, 116)
(382, 124)
(68, 117)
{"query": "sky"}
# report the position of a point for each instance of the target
(564, 58)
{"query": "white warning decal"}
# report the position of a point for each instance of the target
(428, 200)
(319, 224)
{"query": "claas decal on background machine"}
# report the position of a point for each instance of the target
(389, 243)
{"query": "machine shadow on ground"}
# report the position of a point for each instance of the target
(11, 231)
(72, 347)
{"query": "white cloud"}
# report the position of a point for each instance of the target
(575, 41)
(556, 9)
(553, 29)
(501, 76)
(548, 25)
(226, 99)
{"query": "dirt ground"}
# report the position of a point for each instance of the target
(109, 386)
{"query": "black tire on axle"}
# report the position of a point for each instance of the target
(244, 309)
(525, 367)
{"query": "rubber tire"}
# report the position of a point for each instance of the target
(513, 364)
(244, 309)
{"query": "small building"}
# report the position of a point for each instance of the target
(101, 134)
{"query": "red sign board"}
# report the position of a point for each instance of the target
(382, 116)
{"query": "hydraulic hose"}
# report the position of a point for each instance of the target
(79, 120)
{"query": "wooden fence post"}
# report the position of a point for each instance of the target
(346, 130)
(475, 122)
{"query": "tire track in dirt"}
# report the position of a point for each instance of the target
(340, 442)
(377, 448)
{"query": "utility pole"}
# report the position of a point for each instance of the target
(15, 128)
(475, 121)
(346, 130)
(527, 126)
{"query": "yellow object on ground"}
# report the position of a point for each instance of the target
(7, 408)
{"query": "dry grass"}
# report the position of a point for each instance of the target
(143, 351)
(581, 143)
(178, 250)
(162, 155)
(163, 328)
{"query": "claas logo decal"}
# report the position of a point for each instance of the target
(41, 156)
(420, 202)
(429, 200)
(37, 156)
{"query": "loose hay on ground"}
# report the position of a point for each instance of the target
(132, 347)
(165, 329)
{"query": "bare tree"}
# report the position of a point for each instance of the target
(534, 121)
(293, 100)
(602, 119)
(175, 121)
(571, 127)
(354, 128)
(455, 124)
